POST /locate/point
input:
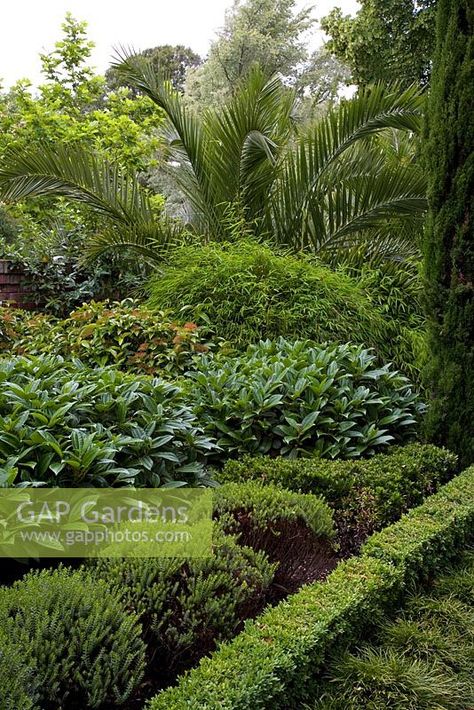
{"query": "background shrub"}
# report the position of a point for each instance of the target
(126, 335)
(289, 399)
(76, 635)
(249, 293)
(64, 424)
(187, 606)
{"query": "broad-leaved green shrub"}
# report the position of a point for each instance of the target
(127, 335)
(64, 424)
(293, 399)
(84, 648)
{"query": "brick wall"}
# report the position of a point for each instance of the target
(13, 291)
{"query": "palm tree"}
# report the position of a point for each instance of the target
(321, 188)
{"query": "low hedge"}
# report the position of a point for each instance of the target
(366, 494)
(275, 660)
(295, 530)
(267, 505)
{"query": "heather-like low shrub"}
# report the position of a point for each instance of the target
(187, 606)
(64, 424)
(293, 399)
(18, 680)
(127, 335)
(77, 640)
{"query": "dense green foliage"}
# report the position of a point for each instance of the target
(266, 505)
(274, 662)
(127, 335)
(449, 249)
(173, 60)
(327, 186)
(73, 105)
(421, 660)
(294, 398)
(365, 494)
(187, 606)
(77, 640)
(387, 40)
(63, 424)
(249, 293)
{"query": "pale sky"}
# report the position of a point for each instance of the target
(28, 27)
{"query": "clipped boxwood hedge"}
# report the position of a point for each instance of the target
(396, 481)
(273, 662)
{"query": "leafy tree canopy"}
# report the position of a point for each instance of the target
(270, 33)
(387, 40)
(172, 61)
(73, 105)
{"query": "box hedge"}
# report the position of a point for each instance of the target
(273, 662)
(394, 481)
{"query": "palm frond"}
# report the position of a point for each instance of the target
(75, 173)
(296, 190)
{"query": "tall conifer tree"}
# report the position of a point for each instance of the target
(449, 248)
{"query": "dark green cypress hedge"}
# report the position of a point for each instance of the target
(449, 248)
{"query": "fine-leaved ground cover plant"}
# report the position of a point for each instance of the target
(420, 661)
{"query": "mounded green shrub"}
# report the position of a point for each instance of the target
(127, 335)
(295, 398)
(64, 424)
(77, 640)
(390, 483)
(274, 662)
(266, 505)
(294, 530)
(249, 293)
(187, 606)
(18, 680)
